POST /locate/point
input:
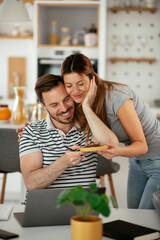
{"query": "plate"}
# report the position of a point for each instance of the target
(96, 148)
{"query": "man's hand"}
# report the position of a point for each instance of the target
(20, 131)
(74, 157)
(37, 177)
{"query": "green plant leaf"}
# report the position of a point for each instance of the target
(94, 199)
(85, 201)
(79, 194)
(63, 197)
(105, 198)
(104, 208)
(93, 187)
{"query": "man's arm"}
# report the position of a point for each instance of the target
(36, 177)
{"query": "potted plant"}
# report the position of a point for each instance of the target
(85, 225)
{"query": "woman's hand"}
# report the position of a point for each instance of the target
(91, 94)
(109, 153)
(20, 131)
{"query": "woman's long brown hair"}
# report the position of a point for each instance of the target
(81, 64)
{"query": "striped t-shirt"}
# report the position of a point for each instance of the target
(44, 137)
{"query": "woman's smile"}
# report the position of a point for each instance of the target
(76, 85)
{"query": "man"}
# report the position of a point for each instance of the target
(44, 156)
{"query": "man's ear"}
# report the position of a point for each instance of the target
(42, 104)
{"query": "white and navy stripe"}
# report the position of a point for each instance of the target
(44, 137)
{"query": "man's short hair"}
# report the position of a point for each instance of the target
(45, 83)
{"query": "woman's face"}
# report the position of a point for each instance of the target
(77, 85)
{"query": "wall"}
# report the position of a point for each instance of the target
(17, 48)
(135, 34)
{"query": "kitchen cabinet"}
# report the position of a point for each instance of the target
(75, 16)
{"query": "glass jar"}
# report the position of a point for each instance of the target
(42, 113)
(18, 109)
(53, 35)
(65, 36)
(5, 112)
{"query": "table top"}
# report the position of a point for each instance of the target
(9, 124)
(148, 218)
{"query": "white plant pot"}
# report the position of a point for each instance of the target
(90, 39)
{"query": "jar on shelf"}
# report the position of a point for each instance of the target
(151, 3)
(90, 37)
(65, 36)
(5, 113)
(53, 33)
(18, 109)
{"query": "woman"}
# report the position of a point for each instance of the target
(127, 116)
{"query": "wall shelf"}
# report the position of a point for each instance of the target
(139, 60)
(25, 1)
(65, 46)
(61, 11)
(118, 9)
(15, 37)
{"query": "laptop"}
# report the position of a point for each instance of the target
(41, 209)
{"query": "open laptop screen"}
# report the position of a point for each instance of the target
(41, 209)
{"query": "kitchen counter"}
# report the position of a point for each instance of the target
(10, 124)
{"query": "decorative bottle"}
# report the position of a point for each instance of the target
(18, 109)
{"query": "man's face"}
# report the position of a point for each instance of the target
(59, 105)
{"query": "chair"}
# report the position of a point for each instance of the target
(9, 155)
(107, 166)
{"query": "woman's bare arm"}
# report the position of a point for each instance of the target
(102, 134)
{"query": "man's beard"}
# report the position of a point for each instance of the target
(67, 120)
